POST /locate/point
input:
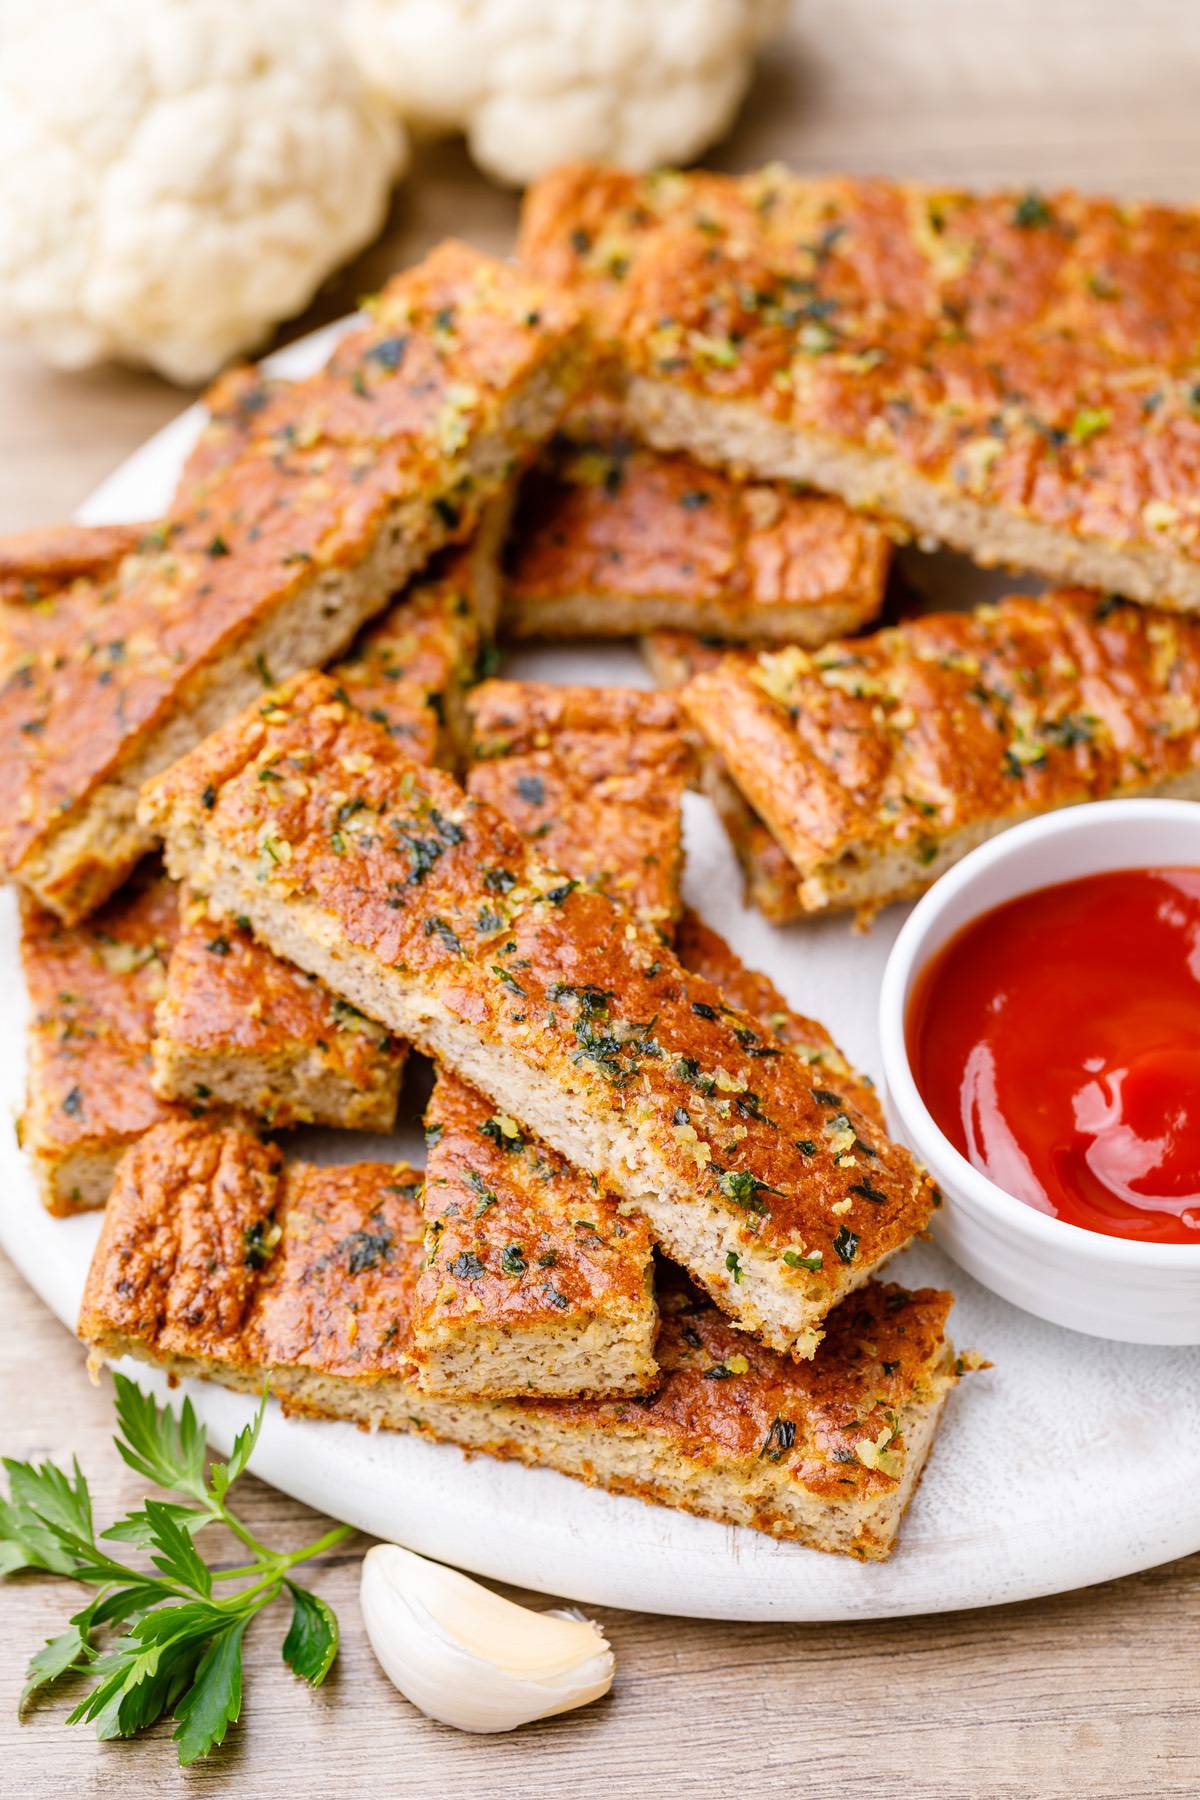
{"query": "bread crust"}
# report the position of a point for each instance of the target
(771, 880)
(344, 485)
(877, 762)
(36, 563)
(1009, 373)
(215, 1260)
(534, 1282)
(612, 539)
(594, 778)
(705, 952)
(93, 989)
(238, 1026)
(432, 917)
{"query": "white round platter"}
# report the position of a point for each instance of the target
(1072, 1461)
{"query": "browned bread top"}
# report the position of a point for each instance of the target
(211, 1249)
(1034, 353)
(233, 403)
(551, 989)
(36, 563)
(604, 521)
(406, 671)
(380, 439)
(594, 778)
(829, 1422)
(93, 989)
(903, 739)
(706, 953)
(515, 1236)
(228, 996)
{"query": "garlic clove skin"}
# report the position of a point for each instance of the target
(468, 1657)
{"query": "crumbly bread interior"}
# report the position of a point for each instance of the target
(595, 1357)
(589, 615)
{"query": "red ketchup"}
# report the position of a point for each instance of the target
(1056, 1041)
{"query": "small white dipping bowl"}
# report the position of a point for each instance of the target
(1110, 1287)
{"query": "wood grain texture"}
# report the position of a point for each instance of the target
(1095, 1693)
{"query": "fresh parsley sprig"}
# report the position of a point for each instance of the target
(166, 1639)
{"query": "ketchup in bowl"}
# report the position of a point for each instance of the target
(1056, 1042)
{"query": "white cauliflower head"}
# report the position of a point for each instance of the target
(537, 82)
(178, 175)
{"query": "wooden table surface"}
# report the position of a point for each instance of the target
(1093, 1693)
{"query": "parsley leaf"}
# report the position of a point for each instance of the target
(746, 1189)
(214, 1700)
(57, 1657)
(312, 1640)
(845, 1244)
(155, 1444)
(467, 1267)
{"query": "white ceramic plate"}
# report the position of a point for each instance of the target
(1072, 1461)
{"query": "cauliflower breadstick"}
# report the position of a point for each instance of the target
(537, 82)
(176, 176)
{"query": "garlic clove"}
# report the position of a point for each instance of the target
(468, 1657)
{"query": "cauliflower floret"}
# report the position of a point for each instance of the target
(537, 82)
(178, 175)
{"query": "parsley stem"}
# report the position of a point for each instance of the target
(268, 1587)
(279, 1564)
(338, 1534)
(247, 1536)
